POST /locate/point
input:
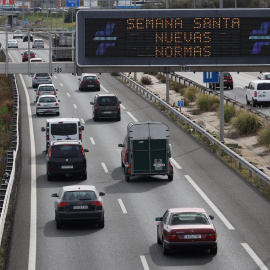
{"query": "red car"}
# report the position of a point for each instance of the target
(182, 228)
(227, 79)
(25, 55)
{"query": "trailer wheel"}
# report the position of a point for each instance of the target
(170, 177)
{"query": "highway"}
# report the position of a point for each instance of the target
(128, 241)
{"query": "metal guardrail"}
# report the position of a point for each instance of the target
(9, 175)
(149, 94)
(178, 78)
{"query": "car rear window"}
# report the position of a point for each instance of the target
(107, 101)
(47, 100)
(89, 78)
(263, 86)
(64, 129)
(42, 75)
(226, 74)
(189, 218)
(46, 88)
(66, 151)
(79, 195)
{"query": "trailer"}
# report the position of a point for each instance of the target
(60, 45)
(146, 150)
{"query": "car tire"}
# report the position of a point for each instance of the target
(164, 249)
(170, 177)
(84, 176)
(213, 251)
(59, 224)
(158, 240)
(248, 102)
(101, 224)
(37, 114)
(49, 177)
(57, 114)
(253, 103)
(95, 118)
(119, 118)
(127, 178)
(34, 86)
(122, 164)
(231, 86)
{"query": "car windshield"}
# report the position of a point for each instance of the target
(263, 86)
(47, 100)
(64, 129)
(79, 195)
(189, 218)
(66, 151)
(46, 88)
(107, 101)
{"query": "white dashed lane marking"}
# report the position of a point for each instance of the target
(74, 106)
(92, 140)
(104, 167)
(122, 206)
(175, 164)
(133, 117)
(144, 263)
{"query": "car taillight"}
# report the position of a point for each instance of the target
(35, 78)
(63, 204)
(50, 152)
(172, 237)
(129, 168)
(170, 167)
(212, 236)
(49, 78)
(96, 203)
(118, 106)
(56, 104)
(82, 151)
(38, 104)
(95, 107)
(47, 134)
(83, 81)
(255, 93)
(80, 134)
(96, 81)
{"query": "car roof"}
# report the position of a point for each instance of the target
(36, 59)
(45, 84)
(61, 142)
(88, 74)
(187, 209)
(260, 81)
(57, 120)
(47, 96)
(79, 187)
(38, 74)
(106, 95)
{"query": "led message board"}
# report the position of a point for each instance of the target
(173, 37)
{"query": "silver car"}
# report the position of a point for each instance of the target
(41, 78)
(38, 43)
(12, 43)
(47, 104)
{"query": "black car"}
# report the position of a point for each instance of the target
(89, 82)
(66, 158)
(25, 38)
(81, 203)
(106, 106)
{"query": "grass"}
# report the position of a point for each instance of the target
(264, 136)
(207, 102)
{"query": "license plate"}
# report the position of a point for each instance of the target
(80, 207)
(107, 112)
(192, 236)
(67, 166)
(90, 85)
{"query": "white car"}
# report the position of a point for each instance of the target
(264, 76)
(36, 59)
(47, 104)
(38, 43)
(18, 34)
(258, 92)
(12, 43)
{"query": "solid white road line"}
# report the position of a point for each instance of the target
(253, 255)
(144, 263)
(210, 203)
(175, 163)
(122, 206)
(122, 106)
(33, 210)
(92, 140)
(82, 121)
(68, 94)
(134, 119)
(104, 167)
(104, 89)
(74, 105)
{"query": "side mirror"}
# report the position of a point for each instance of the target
(86, 150)
(44, 152)
(259, 78)
(43, 129)
(56, 89)
(120, 145)
(54, 195)
(158, 219)
(92, 103)
(119, 102)
(35, 90)
(101, 194)
(82, 127)
(58, 100)
(211, 217)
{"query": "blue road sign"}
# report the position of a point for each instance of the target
(180, 103)
(211, 77)
(72, 3)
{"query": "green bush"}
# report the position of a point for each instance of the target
(161, 77)
(229, 112)
(246, 123)
(177, 87)
(190, 94)
(207, 102)
(264, 136)
(146, 80)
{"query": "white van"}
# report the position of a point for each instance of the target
(258, 92)
(62, 129)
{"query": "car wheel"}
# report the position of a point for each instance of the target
(119, 118)
(122, 164)
(158, 240)
(84, 177)
(213, 251)
(248, 102)
(37, 114)
(231, 86)
(253, 103)
(127, 178)
(101, 224)
(49, 177)
(57, 114)
(95, 118)
(170, 177)
(164, 249)
(59, 224)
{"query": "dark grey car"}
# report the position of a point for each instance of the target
(106, 106)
